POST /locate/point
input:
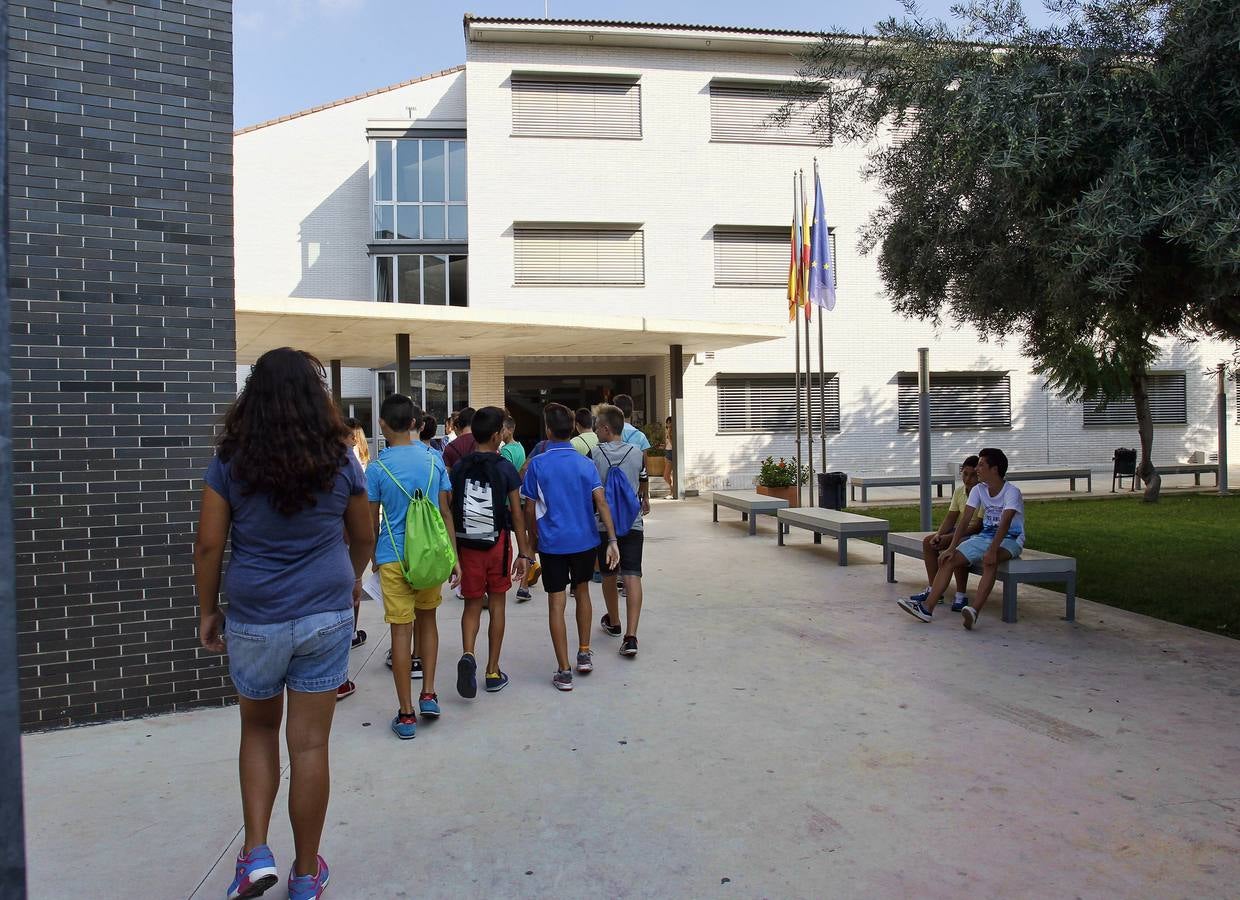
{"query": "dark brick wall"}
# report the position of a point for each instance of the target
(121, 278)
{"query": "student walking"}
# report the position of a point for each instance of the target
(404, 473)
(620, 468)
(585, 440)
(285, 487)
(486, 509)
(463, 444)
(1002, 537)
(566, 492)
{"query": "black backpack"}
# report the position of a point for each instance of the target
(479, 500)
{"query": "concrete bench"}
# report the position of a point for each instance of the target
(872, 481)
(1194, 469)
(834, 522)
(1031, 567)
(750, 503)
(1070, 475)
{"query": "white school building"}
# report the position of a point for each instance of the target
(584, 209)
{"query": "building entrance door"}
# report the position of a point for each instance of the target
(526, 395)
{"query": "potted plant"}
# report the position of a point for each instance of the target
(656, 464)
(780, 479)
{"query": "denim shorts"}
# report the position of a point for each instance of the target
(975, 547)
(310, 654)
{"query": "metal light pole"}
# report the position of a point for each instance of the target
(923, 431)
(1222, 428)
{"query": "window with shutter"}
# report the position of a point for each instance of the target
(959, 401)
(742, 113)
(576, 107)
(766, 404)
(756, 257)
(1168, 404)
(597, 255)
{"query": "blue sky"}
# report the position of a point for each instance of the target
(294, 54)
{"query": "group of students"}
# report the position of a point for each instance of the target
(492, 500)
(288, 492)
(985, 524)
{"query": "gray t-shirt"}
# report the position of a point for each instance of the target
(625, 457)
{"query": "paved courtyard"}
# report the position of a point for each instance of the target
(786, 731)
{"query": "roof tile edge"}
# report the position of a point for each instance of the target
(355, 97)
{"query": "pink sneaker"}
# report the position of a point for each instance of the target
(256, 872)
(307, 887)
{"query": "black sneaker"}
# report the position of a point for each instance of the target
(415, 669)
(629, 646)
(613, 630)
(359, 638)
(466, 676)
(523, 595)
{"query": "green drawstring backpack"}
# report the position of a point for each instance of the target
(428, 558)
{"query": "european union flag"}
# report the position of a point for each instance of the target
(821, 266)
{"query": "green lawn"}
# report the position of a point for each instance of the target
(1178, 559)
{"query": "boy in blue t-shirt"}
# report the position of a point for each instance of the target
(404, 467)
(564, 488)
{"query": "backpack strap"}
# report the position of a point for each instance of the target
(611, 465)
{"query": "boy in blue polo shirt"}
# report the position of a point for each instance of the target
(564, 488)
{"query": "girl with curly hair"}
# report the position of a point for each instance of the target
(282, 484)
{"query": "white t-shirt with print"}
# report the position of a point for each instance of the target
(991, 509)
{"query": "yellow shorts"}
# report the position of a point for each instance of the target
(400, 599)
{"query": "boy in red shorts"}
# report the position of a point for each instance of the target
(486, 506)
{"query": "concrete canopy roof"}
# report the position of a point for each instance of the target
(361, 333)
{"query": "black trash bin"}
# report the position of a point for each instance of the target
(832, 493)
(1125, 466)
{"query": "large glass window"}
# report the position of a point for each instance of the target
(433, 278)
(438, 391)
(418, 189)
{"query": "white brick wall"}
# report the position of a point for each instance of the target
(679, 185)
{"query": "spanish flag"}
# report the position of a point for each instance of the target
(803, 269)
(794, 263)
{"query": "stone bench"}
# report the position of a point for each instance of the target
(750, 503)
(1194, 469)
(1069, 474)
(873, 481)
(834, 522)
(1031, 567)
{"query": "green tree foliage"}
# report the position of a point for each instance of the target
(1075, 186)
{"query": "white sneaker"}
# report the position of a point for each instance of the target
(970, 617)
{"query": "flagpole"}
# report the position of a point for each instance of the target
(822, 379)
(797, 317)
(809, 380)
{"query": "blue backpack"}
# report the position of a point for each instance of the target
(625, 507)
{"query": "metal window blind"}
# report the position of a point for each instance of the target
(742, 113)
(751, 258)
(586, 109)
(597, 256)
(958, 401)
(758, 257)
(1168, 404)
(763, 404)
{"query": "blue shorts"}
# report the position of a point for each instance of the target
(310, 654)
(975, 547)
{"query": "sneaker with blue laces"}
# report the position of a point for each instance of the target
(496, 682)
(428, 706)
(256, 872)
(405, 726)
(961, 601)
(467, 676)
(915, 608)
(922, 597)
(308, 887)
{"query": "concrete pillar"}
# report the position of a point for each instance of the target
(486, 381)
(337, 394)
(403, 384)
(677, 391)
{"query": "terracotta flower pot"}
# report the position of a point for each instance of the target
(784, 493)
